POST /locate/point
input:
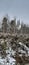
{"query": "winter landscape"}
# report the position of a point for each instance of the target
(14, 32)
(14, 43)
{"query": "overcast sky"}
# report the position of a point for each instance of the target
(15, 8)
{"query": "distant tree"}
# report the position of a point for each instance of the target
(18, 23)
(4, 25)
(13, 26)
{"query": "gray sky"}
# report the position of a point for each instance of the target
(17, 8)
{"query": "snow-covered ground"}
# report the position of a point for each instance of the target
(9, 60)
(23, 49)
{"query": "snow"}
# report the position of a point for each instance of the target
(10, 52)
(13, 52)
(19, 27)
(25, 49)
(11, 60)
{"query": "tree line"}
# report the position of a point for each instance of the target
(12, 27)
